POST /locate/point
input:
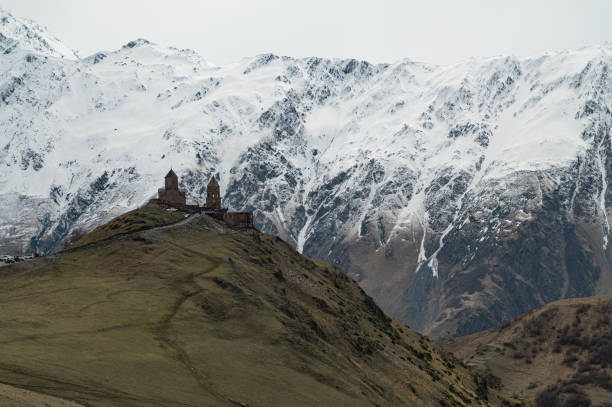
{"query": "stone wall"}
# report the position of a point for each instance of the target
(239, 219)
(175, 196)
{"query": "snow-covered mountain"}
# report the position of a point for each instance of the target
(458, 196)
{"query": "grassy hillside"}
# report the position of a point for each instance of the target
(557, 355)
(11, 396)
(196, 314)
(147, 217)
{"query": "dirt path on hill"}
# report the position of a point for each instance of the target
(188, 219)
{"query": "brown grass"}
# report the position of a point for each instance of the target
(558, 355)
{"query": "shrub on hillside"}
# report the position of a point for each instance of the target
(597, 378)
(562, 395)
(569, 360)
(600, 350)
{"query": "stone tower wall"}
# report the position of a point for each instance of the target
(174, 196)
(213, 197)
(171, 183)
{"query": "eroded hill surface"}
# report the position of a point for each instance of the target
(196, 314)
(557, 355)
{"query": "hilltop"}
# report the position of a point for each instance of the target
(157, 308)
(557, 355)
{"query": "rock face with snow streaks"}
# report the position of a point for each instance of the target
(458, 196)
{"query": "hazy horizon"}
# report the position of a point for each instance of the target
(435, 32)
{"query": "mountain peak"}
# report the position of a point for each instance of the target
(137, 43)
(17, 32)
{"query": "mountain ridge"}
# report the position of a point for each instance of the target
(147, 311)
(27, 34)
(403, 174)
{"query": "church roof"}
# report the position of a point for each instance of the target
(213, 181)
(171, 174)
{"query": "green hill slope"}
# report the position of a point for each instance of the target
(197, 314)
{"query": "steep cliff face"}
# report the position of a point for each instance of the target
(458, 196)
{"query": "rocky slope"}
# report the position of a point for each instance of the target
(155, 309)
(458, 196)
(557, 355)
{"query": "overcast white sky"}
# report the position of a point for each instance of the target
(378, 31)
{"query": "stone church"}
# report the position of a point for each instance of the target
(172, 196)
